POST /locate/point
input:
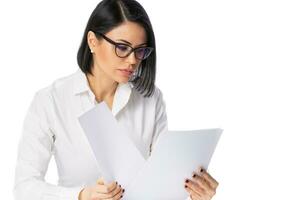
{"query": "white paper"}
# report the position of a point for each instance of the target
(117, 156)
(176, 155)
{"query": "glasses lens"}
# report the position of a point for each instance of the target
(143, 53)
(122, 50)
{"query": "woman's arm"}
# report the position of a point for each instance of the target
(161, 121)
(34, 154)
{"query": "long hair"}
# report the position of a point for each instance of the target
(109, 14)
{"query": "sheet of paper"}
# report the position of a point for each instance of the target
(116, 154)
(176, 155)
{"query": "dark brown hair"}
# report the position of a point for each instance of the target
(109, 14)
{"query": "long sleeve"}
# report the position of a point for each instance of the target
(161, 121)
(34, 153)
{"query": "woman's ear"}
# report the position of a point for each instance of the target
(91, 40)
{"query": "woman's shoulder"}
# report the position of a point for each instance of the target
(56, 94)
(60, 85)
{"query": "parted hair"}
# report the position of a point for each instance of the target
(109, 14)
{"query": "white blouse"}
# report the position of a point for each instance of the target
(51, 127)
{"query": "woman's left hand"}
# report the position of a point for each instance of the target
(202, 186)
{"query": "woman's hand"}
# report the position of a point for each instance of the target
(100, 191)
(201, 186)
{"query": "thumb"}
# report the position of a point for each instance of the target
(100, 181)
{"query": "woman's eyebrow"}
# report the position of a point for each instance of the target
(129, 42)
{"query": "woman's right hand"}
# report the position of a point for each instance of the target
(100, 191)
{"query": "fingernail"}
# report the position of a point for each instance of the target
(186, 181)
(185, 186)
(194, 175)
(117, 182)
(121, 196)
(201, 170)
(123, 190)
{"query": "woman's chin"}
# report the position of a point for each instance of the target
(122, 80)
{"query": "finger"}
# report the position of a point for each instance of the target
(111, 194)
(117, 192)
(201, 181)
(99, 196)
(212, 182)
(119, 195)
(104, 189)
(195, 187)
(200, 170)
(95, 196)
(101, 189)
(112, 186)
(194, 195)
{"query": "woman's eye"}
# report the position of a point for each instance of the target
(122, 48)
(143, 51)
(140, 51)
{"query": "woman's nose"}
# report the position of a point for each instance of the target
(131, 58)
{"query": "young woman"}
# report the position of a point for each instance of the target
(117, 61)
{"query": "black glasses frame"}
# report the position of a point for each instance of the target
(131, 48)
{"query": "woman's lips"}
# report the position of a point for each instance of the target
(125, 72)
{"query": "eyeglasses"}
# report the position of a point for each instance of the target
(123, 50)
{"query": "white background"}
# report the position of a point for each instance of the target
(229, 64)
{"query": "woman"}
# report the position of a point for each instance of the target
(117, 60)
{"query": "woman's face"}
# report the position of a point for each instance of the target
(105, 59)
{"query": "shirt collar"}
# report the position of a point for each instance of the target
(121, 97)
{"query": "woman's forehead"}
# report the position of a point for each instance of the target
(129, 31)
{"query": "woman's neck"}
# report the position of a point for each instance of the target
(102, 86)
